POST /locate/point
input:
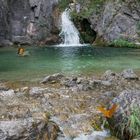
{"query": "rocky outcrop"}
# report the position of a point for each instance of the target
(52, 78)
(18, 121)
(125, 120)
(70, 102)
(117, 20)
(129, 74)
(27, 21)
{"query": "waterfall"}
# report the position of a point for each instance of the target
(69, 32)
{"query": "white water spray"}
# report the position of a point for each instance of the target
(69, 32)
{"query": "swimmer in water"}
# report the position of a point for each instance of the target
(22, 52)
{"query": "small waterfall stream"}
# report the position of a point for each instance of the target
(69, 32)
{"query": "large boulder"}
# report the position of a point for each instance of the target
(124, 123)
(129, 74)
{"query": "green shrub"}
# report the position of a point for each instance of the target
(123, 43)
(63, 4)
(128, 127)
(134, 120)
(88, 7)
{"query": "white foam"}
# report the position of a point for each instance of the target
(69, 33)
(100, 135)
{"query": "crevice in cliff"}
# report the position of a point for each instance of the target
(88, 35)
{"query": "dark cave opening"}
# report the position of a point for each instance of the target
(88, 35)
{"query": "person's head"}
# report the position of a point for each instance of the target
(20, 51)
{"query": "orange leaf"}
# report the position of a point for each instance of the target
(108, 113)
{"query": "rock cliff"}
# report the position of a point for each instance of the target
(27, 21)
(111, 19)
(119, 19)
(34, 21)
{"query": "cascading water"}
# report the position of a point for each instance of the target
(69, 32)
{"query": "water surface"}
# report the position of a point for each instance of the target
(67, 60)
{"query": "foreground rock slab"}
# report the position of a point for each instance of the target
(28, 112)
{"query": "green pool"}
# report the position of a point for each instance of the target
(68, 60)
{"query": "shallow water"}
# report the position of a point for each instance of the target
(68, 60)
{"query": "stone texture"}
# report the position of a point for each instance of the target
(129, 74)
(127, 101)
(27, 129)
(4, 28)
(71, 103)
(115, 20)
(52, 78)
(26, 22)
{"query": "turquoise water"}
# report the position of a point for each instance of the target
(67, 60)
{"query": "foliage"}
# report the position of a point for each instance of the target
(128, 126)
(108, 112)
(123, 43)
(87, 38)
(63, 4)
(88, 7)
(134, 120)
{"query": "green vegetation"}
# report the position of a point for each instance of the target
(134, 120)
(123, 43)
(63, 4)
(88, 7)
(128, 127)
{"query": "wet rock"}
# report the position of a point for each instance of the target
(36, 91)
(69, 82)
(84, 87)
(8, 93)
(106, 83)
(27, 129)
(52, 78)
(109, 75)
(97, 83)
(77, 84)
(129, 74)
(96, 135)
